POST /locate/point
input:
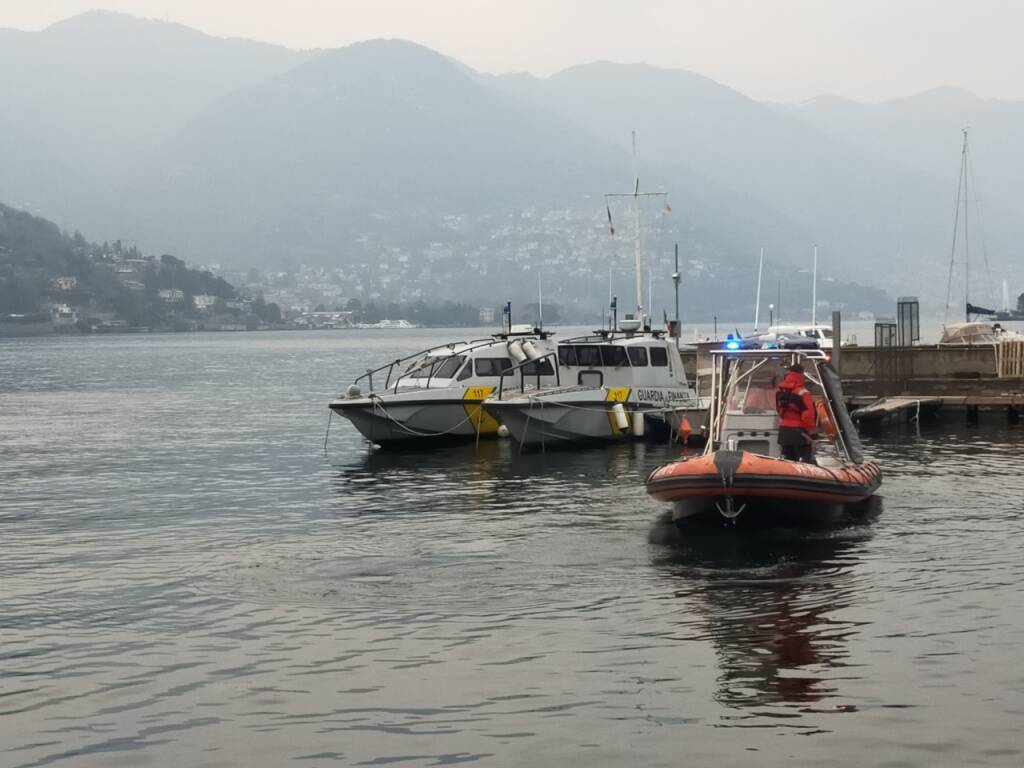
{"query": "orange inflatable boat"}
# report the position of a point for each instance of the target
(742, 469)
(726, 482)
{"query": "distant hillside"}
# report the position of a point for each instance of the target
(34, 252)
(44, 271)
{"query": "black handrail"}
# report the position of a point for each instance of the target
(390, 366)
(522, 373)
(599, 337)
(413, 356)
(473, 346)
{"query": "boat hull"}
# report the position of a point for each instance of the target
(415, 419)
(553, 423)
(730, 483)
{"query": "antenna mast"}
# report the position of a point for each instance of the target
(636, 195)
(814, 289)
(675, 279)
(540, 304)
(636, 244)
(757, 303)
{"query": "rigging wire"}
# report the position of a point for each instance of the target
(984, 246)
(956, 224)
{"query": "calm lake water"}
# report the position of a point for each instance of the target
(188, 579)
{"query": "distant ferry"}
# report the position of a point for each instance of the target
(390, 324)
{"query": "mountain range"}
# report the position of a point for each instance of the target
(248, 154)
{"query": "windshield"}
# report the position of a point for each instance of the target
(753, 392)
(440, 367)
(448, 368)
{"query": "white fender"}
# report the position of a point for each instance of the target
(638, 424)
(621, 421)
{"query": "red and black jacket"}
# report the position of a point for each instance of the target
(795, 404)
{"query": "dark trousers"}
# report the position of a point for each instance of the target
(796, 445)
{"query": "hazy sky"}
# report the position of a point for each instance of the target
(770, 49)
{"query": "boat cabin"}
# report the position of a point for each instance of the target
(975, 333)
(610, 359)
(743, 414)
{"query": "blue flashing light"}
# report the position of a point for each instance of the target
(732, 344)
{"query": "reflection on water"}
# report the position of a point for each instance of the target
(768, 601)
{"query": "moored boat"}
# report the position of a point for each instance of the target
(742, 470)
(435, 395)
(615, 386)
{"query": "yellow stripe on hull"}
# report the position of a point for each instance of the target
(482, 422)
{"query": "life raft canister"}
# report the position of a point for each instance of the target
(825, 423)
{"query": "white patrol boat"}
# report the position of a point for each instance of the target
(436, 394)
(613, 385)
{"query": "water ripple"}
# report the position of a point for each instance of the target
(188, 580)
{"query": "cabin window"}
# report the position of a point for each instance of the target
(659, 357)
(613, 356)
(466, 372)
(590, 379)
(492, 366)
(567, 355)
(539, 368)
(449, 367)
(588, 355)
(637, 356)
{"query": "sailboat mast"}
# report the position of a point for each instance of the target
(967, 239)
(757, 302)
(636, 244)
(814, 289)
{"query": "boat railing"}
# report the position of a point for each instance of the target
(723, 377)
(600, 337)
(390, 367)
(521, 368)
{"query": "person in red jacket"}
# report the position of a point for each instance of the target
(797, 419)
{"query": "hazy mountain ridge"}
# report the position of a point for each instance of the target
(260, 155)
(94, 93)
(875, 212)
